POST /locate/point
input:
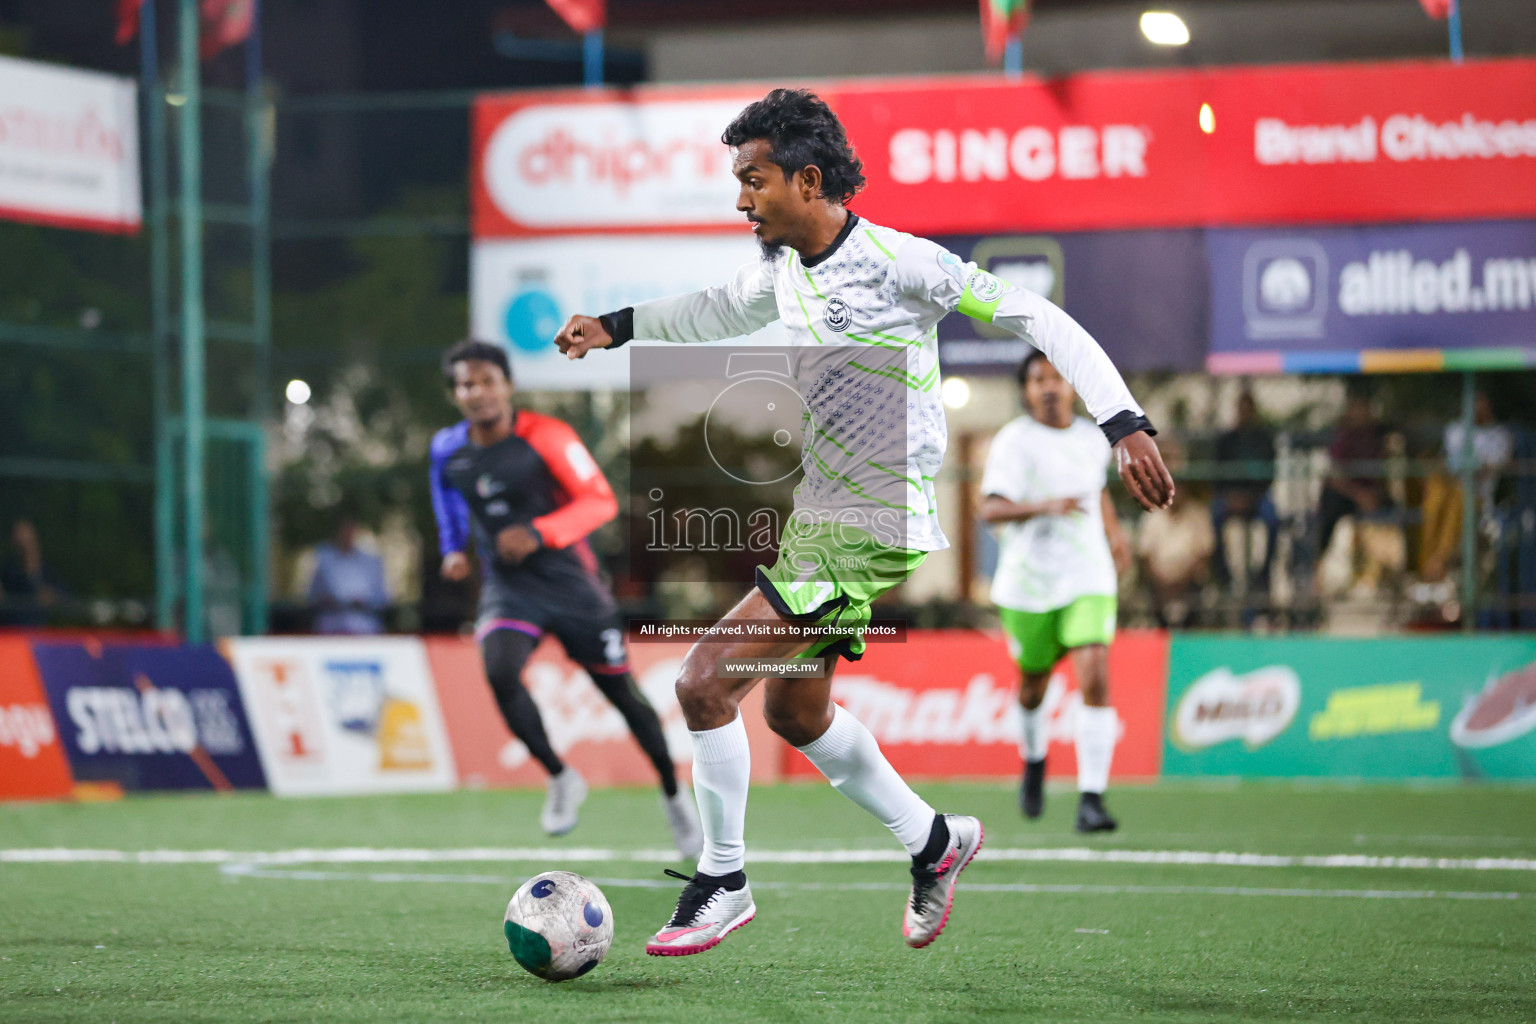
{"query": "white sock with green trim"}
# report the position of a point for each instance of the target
(851, 760)
(1096, 735)
(1032, 746)
(722, 772)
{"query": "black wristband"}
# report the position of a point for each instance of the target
(1125, 423)
(620, 325)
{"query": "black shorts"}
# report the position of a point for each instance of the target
(580, 614)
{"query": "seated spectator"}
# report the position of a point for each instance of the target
(1174, 547)
(1246, 454)
(347, 590)
(1354, 487)
(25, 590)
(1492, 447)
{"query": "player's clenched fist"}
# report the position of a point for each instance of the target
(582, 334)
(1142, 470)
(455, 566)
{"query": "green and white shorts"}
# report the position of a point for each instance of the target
(828, 574)
(1037, 640)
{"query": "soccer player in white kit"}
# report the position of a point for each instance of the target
(1055, 584)
(861, 304)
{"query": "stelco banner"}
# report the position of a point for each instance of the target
(69, 153)
(1357, 143)
(1388, 708)
(149, 717)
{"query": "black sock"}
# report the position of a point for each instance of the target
(505, 652)
(731, 882)
(938, 840)
(643, 721)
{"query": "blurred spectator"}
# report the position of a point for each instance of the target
(24, 581)
(1246, 455)
(1353, 489)
(347, 591)
(1174, 546)
(1493, 445)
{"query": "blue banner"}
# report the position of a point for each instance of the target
(150, 717)
(1373, 299)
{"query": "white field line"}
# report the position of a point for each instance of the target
(303, 875)
(594, 855)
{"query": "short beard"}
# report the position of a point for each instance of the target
(771, 251)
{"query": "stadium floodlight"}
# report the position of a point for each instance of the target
(956, 392)
(297, 392)
(1164, 28)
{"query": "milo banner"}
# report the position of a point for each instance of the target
(1456, 707)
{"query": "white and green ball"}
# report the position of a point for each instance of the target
(558, 925)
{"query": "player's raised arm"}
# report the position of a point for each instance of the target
(927, 269)
(744, 305)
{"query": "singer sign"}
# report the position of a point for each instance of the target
(1367, 143)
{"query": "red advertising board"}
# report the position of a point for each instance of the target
(943, 705)
(583, 727)
(1355, 143)
(32, 761)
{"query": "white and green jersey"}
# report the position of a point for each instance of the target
(1047, 562)
(863, 321)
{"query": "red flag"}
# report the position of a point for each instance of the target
(582, 15)
(225, 23)
(1437, 8)
(1001, 20)
(127, 21)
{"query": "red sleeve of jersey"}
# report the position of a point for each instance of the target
(589, 500)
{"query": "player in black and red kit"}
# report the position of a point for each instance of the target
(529, 492)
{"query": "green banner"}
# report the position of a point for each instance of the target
(1453, 707)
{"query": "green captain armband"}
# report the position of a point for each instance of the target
(983, 291)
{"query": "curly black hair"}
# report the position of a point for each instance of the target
(1029, 360)
(482, 351)
(801, 130)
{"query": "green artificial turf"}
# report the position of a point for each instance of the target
(205, 942)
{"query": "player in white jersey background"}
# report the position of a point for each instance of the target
(861, 303)
(1055, 585)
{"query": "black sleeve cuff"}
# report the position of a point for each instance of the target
(621, 325)
(1125, 423)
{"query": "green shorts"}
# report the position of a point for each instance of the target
(827, 575)
(1037, 640)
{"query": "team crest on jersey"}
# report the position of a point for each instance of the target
(985, 287)
(838, 316)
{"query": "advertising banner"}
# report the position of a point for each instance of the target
(1143, 295)
(150, 716)
(69, 147)
(945, 705)
(1344, 143)
(32, 762)
(1373, 299)
(1381, 708)
(338, 716)
(583, 727)
(522, 291)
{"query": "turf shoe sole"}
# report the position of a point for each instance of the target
(725, 912)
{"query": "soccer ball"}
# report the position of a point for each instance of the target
(558, 925)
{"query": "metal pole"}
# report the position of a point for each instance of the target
(160, 317)
(192, 363)
(1453, 25)
(261, 129)
(592, 57)
(1468, 477)
(1013, 57)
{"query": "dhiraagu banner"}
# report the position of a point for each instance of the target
(1382, 708)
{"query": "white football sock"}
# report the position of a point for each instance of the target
(851, 760)
(722, 770)
(1032, 747)
(1096, 729)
